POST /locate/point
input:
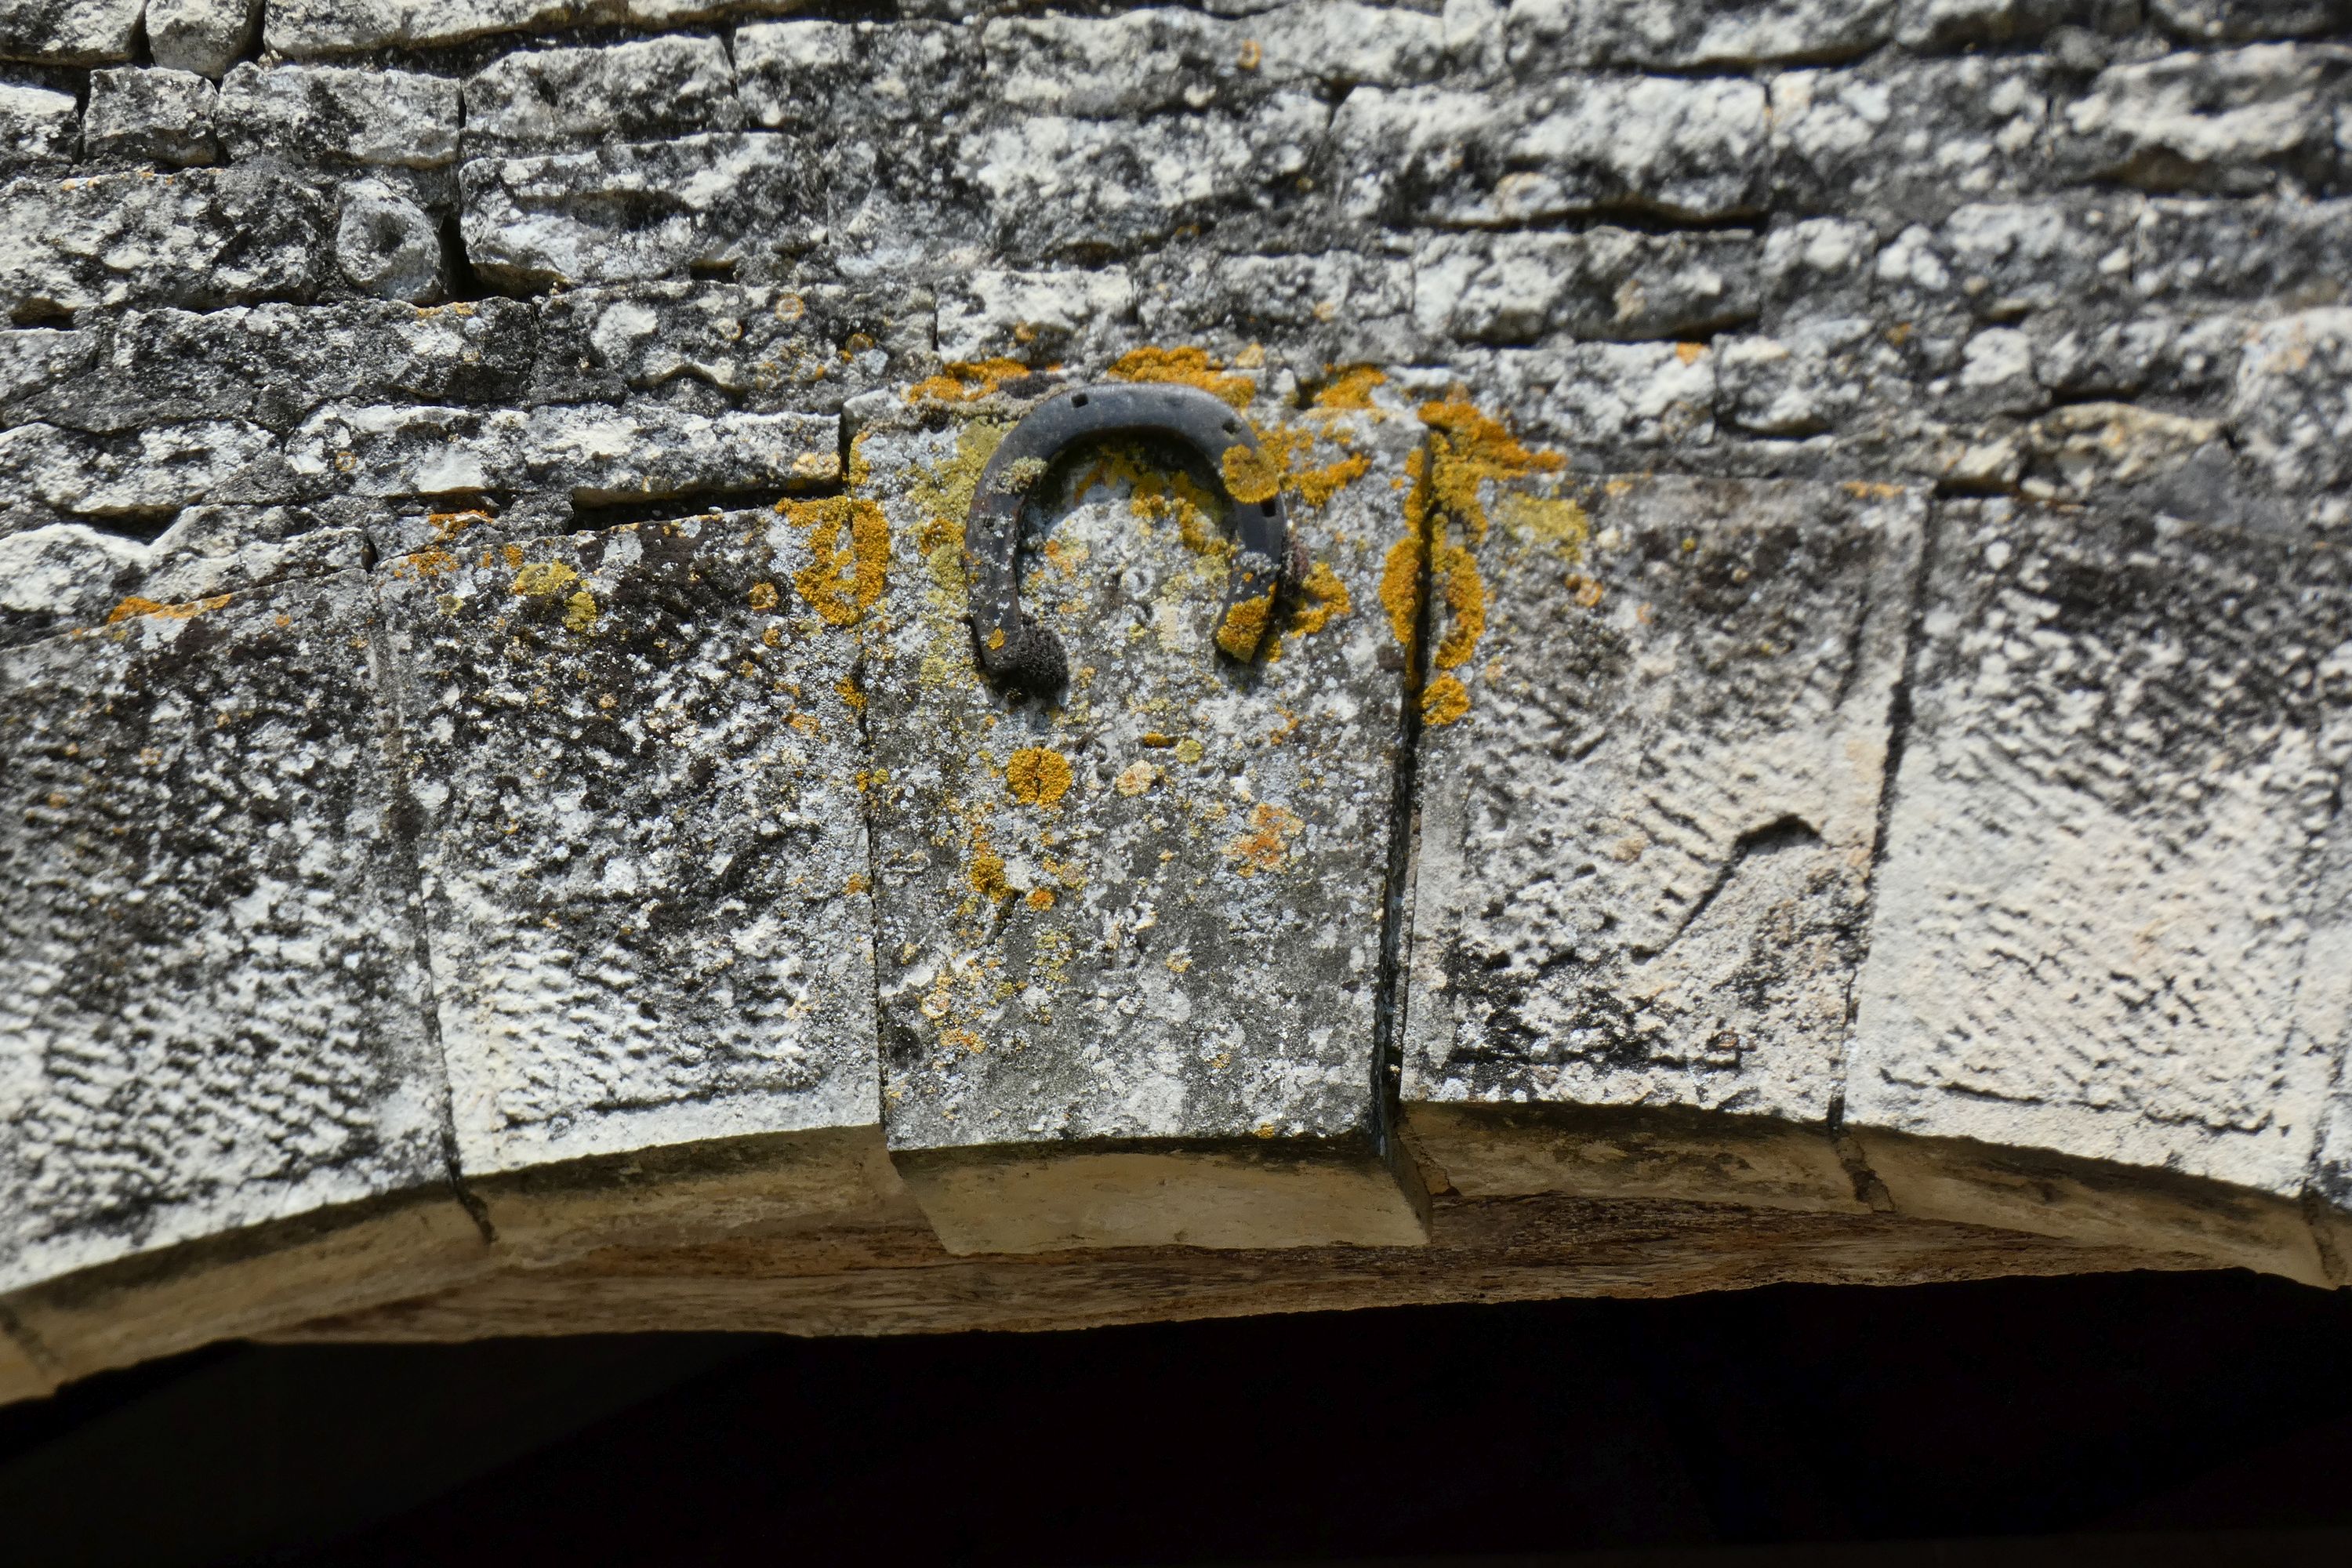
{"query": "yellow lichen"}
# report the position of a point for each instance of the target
(1401, 587)
(1187, 367)
(1469, 449)
(581, 610)
(135, 605)
(1455, 571)
(963, 380)
(986, 870)
(1037, 776)
(1248, 475)
(1267, 845)
(1350, 386)
(840, 583)
(541, 578)
(763, 596)
(1322, 597)
(1242, 628)
(1040, 898)
(1557, 521)
(846, 690)
(1444, 701)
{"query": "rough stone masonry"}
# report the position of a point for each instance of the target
(1807, 739)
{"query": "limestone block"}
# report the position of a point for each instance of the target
(2237, 21)
(2292, 407)
(639, 210)
(1129, 943)
(38, 126)
(206, 37)
(386, 244)
(1448, 157)
(2234, 122)
(2099, 896)
(269, 364)
(1039, 318)
(766, 348)
(1056, 186)
(1934, 26)
(1155, 61)
(149, 115)
(636, 757)
(2088, 452)
(340, 114)
(136, 475)
(1818, 267)
(1604, 282)
(309, 29)
(1909, 138)
(1314, 313)
(815, 75)
(201, 239)
(1656, 735)
(1607, 397)
(1545, 36)
(597, 454)
(635, 91)
(2235, 255)
(69, 32)
(214, 1009)
(62, 575)
(1826, 375)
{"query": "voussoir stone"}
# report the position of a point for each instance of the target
(206, 37)
(165, 116)
(636, 756)
(2100, 897)
(305, 114)
(214, 1014)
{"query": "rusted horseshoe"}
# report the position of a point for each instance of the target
(1013, 649)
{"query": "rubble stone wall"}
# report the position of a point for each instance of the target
(1815, 720)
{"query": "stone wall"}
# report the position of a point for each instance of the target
(1813, 730)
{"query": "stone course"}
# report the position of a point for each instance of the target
(1897, 447)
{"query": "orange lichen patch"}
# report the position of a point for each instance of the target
(448, 525)
(1156, 738)
(1585, 590)
(1187, 367)
(962, 1039)
(1267, 845)
(1468, 449)
(425, 564)
(541, 578)
(1350, 386)
(1401, 587)
(1037, 776)
(1444, 701)
(1250, 475)
(1322, 599)
(1866, 490)
(1252, 55)
(1242, 628)
(1688, 352)
(860, 470)
(962, 381)
(846, 690)
(985, 871)
(187, 609)
(840, 583)
(1455, 573)
(1286, 449)
(762, 596)
(1040, 898)
(509, 553)
(856, 885)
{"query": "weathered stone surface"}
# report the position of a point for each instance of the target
(340, 114)
(1909, 140)
(636, 755)
(2238, 20)
(1602, 283)
(811, 74)
(62, 575)
(1309, 314)
(387, 246)
(1607, 401)
(69, 32)
(214, 1012)
(148, 115)
(1040, 318)
(1657, 731)
(1143, 925)
(542, 99)
(1445, 156)
(311, 28)
(2097, 894)
(640, 210)
(38, 126)
(597, 454)
(206, 37)
(2236, 120)
(2231, 256)
(201, 239)
(2292, 407)
(158, 469)
(1550, 35)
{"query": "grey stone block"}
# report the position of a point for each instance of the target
(136, 475)
(636, 211)
(38, 127)
(2292, 407)
(340, 114)
(1604, 282)
(387, 246)
(543, 98)
(214, 1014)
(206, 37)
(1129, 943)
(2234, 122)
(311, 28)
(201, 239)
(2099, 899)
(809, 75)
(58, 575)
(69, 32)
(1547, 35)
(1039, 318)
(2239, 21)
(1896, 138)
(2240, 254)
(149, 115)
(636, 758)
(1310, 314)
(1657, 734)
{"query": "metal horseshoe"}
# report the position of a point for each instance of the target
(1013, 647)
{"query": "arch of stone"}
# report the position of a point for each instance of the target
(1807, 740)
